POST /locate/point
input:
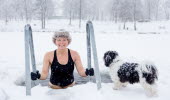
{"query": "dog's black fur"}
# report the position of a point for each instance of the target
(129, 72)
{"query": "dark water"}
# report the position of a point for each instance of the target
(105, 78)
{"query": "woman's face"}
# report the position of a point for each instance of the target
(61, 42)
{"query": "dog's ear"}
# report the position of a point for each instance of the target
(109, 56)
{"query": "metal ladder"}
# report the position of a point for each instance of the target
(91, 40)
(29, 51)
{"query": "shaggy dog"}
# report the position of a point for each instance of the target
(122, 73)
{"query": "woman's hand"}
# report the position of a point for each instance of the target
(35, 76)
(90, 72)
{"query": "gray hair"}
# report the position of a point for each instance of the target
(61, 33)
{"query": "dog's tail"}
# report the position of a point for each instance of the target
(149, 71)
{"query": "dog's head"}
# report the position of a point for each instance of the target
(109, 57)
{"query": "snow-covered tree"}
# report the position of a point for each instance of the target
(167, 9)
(44, 9)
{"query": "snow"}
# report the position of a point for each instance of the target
(131, 45)
(3, 95)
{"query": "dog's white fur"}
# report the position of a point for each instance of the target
(150, 89)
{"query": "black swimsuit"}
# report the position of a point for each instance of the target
(62, 75)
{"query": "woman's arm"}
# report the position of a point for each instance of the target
(79, 65)
(46, 64)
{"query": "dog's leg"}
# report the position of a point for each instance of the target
(124, 84)
(151, 90)
(117, 85)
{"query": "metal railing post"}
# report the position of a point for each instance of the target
(29, 51)
(27, 62)
(90, 34)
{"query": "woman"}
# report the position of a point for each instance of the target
(61, 62)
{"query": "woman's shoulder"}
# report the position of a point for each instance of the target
(73, 52)
(49, 54)
(74, 55)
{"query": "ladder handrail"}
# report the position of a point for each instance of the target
(27, 62)
(29, 51)
(90, 34)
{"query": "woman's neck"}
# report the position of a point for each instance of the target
(62, 51)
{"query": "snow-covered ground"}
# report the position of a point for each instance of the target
(150, 41)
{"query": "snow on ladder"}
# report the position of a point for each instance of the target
(91, 40)
(29, 51)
